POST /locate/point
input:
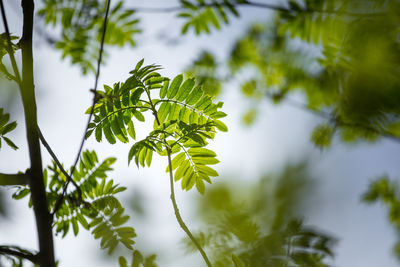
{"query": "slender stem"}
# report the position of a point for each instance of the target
(171, 180)
(95, 83)
(19, 253)
(119, 110)
(178, 215)
(60, 199)
(36, 182)
(13, 179)
(182, 104)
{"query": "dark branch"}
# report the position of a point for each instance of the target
(59, 201)
(19, 253)
(36, 181)
(180, 8)
(13, 179)
(337, 121)
(249, 4)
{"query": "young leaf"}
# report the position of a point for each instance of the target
(174, 87)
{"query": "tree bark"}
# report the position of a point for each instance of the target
(36, 183)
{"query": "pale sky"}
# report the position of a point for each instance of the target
(280, 136)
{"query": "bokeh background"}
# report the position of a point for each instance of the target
(326, 184)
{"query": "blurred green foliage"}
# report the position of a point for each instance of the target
(388, 192)
(201, 15)
(138, 260)
(341, 55)
(81, 24)
(259, 224)
(205, 68)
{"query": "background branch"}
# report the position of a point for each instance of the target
(248, 4)
(19, 253)
(13, 179)
(337, 121)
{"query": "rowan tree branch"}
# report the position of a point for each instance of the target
(13, 179)
(19, 253)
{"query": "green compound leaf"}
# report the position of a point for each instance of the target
(184, 119)
(98, 209)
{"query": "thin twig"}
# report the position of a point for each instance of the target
(19, 253)
(60, 166)
(178, 215)
(59, 201)
(9, 48)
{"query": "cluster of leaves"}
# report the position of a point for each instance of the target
(319, 48)
(4, 50)
(316, 21)
(81, 28)
(205, 68)
(257, 225)
(347, 31)
(388, 192)
(5, 128)
(184, 118)
(93, 207)
(203, 14)
(138, 260)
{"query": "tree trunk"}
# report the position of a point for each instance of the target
(36, 183)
